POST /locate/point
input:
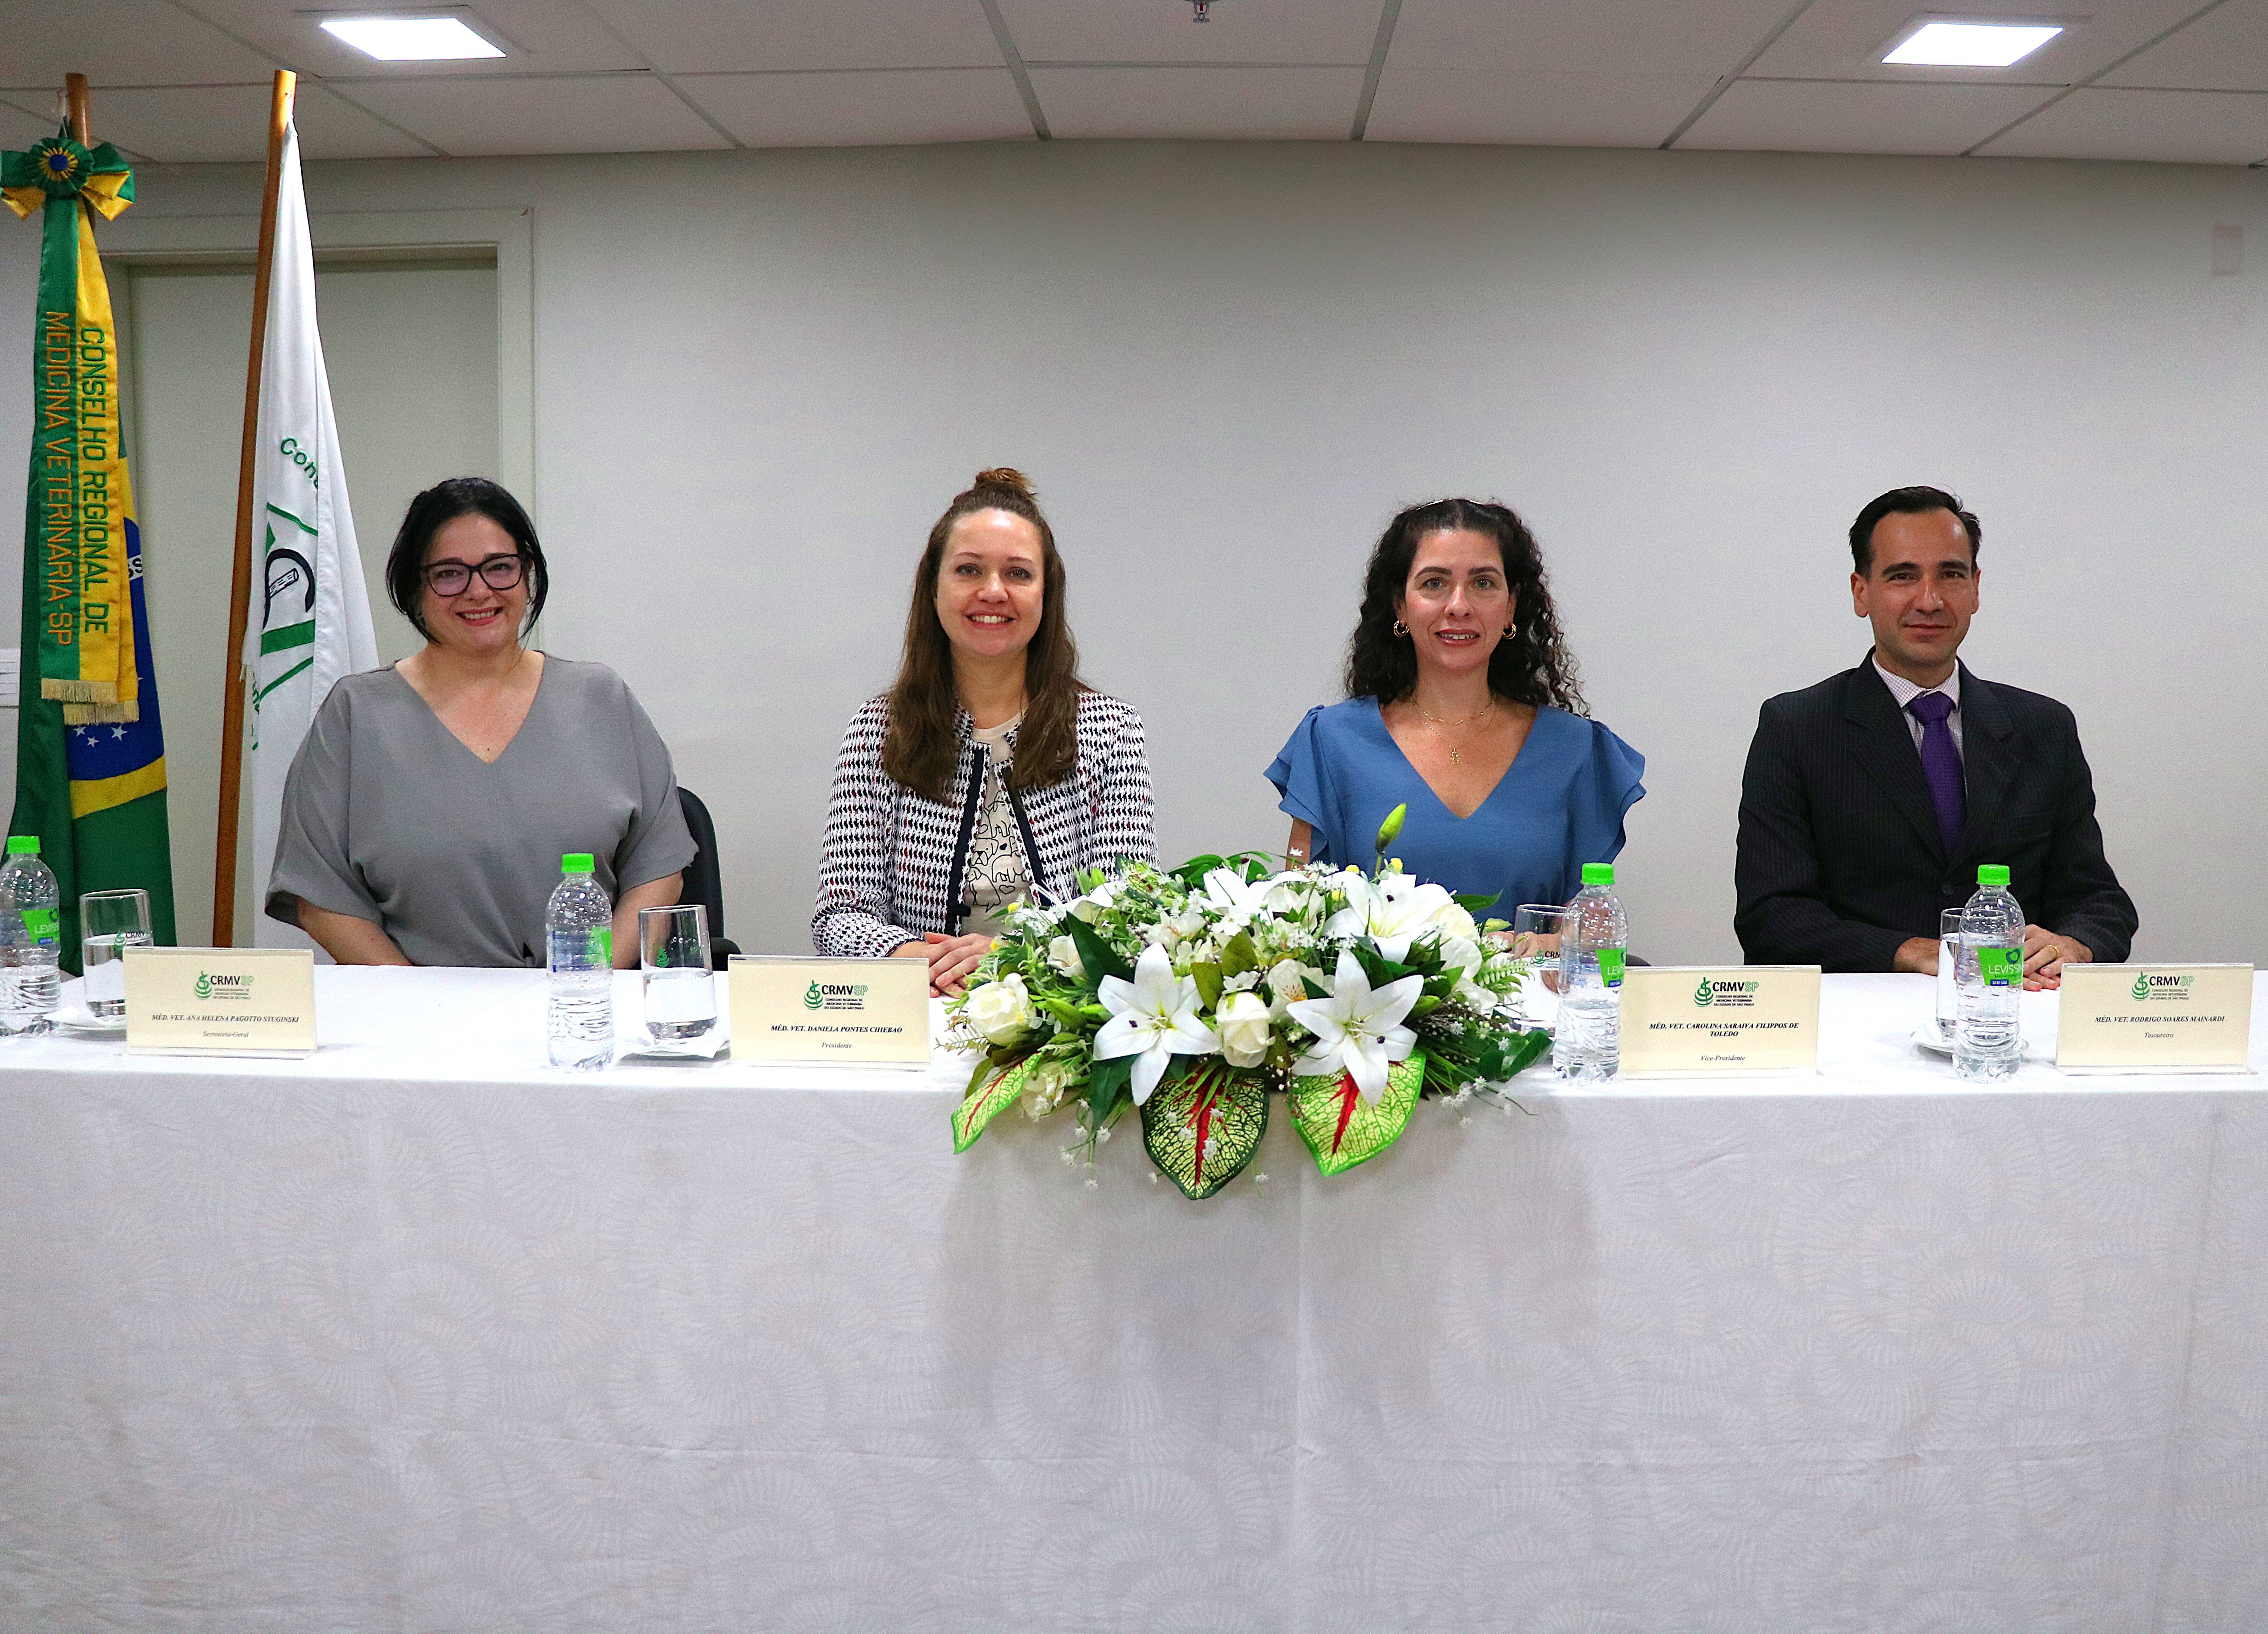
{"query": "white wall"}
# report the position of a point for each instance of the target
(759, 376)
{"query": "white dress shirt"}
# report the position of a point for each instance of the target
(1903, 692)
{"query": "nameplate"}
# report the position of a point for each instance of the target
(1720, 1021)
(865, 1012)
(220, 1001)
(2154, 1017)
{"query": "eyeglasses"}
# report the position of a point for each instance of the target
(450, 578)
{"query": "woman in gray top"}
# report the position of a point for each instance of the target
(426, 812)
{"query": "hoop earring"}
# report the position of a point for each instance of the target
(1511, 631)
(1401, 629)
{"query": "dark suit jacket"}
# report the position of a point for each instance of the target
(1840, 859)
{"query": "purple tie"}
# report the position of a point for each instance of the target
(1940, 763)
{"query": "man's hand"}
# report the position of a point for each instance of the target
(2045, 954)
(1916, 955)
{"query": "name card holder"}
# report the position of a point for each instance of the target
(2155, 1018)
(868, 1012)
(1720, 1021)
(220, 1001)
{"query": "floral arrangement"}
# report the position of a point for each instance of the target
(1188, 997)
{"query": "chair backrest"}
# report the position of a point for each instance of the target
(703, 884)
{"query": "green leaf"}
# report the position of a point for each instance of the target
(1193, 872)
(1472, 904)
(1208, 980)
(1202, 1128)
(992, 1090)
(1097, 956)
(1425, 1007)
(1106, 1082)
(1522, 1050)
(1239, 955)
(1340, 1128)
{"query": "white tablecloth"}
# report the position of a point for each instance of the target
(419, 1336)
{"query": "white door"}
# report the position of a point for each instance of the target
(411, 348)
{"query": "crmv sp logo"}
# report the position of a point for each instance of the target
(226, 986)
(1726, 993)
(834, 996)
(2164, 989)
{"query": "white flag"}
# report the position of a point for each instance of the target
(311, 615)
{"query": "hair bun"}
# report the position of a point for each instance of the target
(1004, 477)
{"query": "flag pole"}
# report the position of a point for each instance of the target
(75, 101)
(239, 590)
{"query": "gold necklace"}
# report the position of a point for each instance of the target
(1434, 723)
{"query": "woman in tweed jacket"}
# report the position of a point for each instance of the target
(988, 772)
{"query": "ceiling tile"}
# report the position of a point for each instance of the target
(856, 110)
(121, 43)
(1162, 31)
(1584, 36)
(604, 114)
(1541, 110)
(19, 127)
(332, 129)
(733, 36)
(540, 36)
(1845, 38)
(2225, 49)
(185, 124)
(1237, 104)
(2192, 126)
(1806, 116)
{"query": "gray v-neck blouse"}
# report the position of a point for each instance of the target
(388, 817)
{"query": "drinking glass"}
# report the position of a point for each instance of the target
(1536, 944)
(681, 993)
(1948, 958)
(109, 922)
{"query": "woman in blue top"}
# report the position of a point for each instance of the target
(1462, 704)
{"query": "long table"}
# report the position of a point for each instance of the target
(417, 1335)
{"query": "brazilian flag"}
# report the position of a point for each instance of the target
(90, 751)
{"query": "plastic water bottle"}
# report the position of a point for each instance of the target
(579, 926)
(31, 939)
(1989, 1041)
(1594, 940)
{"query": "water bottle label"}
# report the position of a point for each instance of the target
(40, 924)
(2000, 967)
(603, 948)
(1610, 966)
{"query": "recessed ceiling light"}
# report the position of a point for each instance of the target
(1972, 45)
(410, 38)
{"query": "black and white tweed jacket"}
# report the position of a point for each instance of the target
(888, 873)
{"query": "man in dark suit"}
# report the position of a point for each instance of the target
(1870, 799)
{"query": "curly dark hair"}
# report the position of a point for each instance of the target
(1531, 666)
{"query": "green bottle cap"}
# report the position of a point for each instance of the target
(575, 862)
(1993, 873)
(23, 845)
(1598, 874)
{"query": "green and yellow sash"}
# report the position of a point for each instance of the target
(80, 498)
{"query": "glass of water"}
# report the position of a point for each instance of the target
(109, 922)
(1948, 959)
(1536, 944)
(680, 995)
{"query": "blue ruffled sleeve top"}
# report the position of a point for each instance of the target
(1559, 804)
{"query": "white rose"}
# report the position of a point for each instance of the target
(1242, 1020)
(1454, 922)
(1461, 952)
(1001, 1010)
(1062, 953)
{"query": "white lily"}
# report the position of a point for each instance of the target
(1356, 1031)
(1153, 1016)
(1393, 912)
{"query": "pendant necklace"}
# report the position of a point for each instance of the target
(1435, 723)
